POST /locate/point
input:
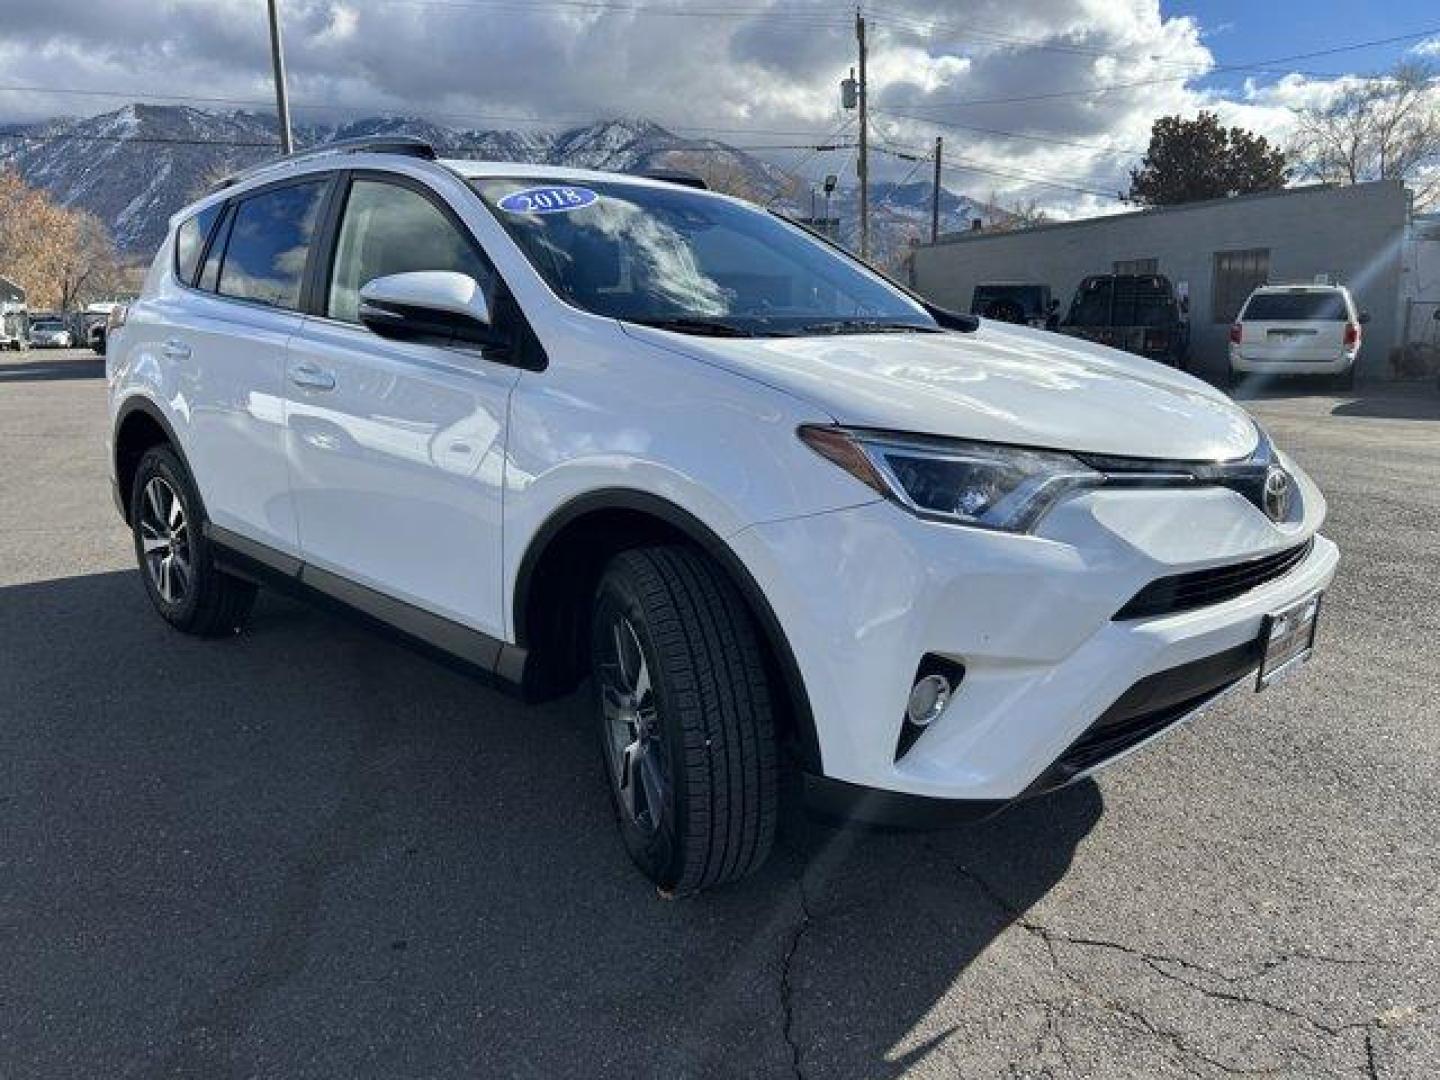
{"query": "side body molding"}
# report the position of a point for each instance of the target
(497, 662)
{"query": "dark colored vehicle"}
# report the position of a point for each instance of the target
(1026, 305)
(1139, 313)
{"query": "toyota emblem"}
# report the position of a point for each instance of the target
(1278, 489)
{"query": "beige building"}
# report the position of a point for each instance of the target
(1216, 252)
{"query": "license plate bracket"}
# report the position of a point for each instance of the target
(1288, 639)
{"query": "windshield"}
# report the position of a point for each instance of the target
(45, 324)
(1297, 306)
(675, 257)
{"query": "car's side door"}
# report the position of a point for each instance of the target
(397, 449)
(224, 341)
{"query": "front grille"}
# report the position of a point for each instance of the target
(1201, 588)
(1245, 477)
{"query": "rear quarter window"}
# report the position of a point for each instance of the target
(190, 242)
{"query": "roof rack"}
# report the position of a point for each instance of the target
(674, 176)
(403, 145)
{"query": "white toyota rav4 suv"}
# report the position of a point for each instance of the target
(562, 424)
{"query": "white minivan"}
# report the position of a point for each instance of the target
(780, 515)
(1297, 330)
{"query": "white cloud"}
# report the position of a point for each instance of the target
(752, 78)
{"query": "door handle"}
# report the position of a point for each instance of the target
(175, 349)
(312, 377)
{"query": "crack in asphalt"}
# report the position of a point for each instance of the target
(787, 1005)
(1181, 1047)
(1170, 967)
(1177, 969)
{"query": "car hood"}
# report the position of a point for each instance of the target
(1000, 383)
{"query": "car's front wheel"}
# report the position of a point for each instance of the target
(176, 562)
(685, 718)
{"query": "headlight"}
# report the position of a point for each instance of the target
(964, 483)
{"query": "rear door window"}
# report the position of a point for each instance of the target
(1296, 307)
(269, 244)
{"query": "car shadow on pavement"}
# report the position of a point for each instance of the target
(1405, 401)
(47, 370)
(306, 851)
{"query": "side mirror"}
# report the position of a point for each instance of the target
(1364, 317)
(436, 307)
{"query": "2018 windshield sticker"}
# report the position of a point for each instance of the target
(548, 200)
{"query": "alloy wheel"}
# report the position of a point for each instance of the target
(165, 541)
(632, 727)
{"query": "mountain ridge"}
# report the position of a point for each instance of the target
(135, 166)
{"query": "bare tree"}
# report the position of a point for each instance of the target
(61, 257)
(1383, 128)
(89, 268)
(1012, 217)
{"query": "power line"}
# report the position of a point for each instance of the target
(894, 20)
(134, 96)
(792, 173)
(967, 30)
(889, 198)
(949, 125)
(145, 140)
(603, 6)
(242, 144)
(965, 165)
(897, 149)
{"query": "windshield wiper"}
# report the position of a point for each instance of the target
(864, 326)
(691, 325)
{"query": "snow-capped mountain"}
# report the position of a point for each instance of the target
(136, 166)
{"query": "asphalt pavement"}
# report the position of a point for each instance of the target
(307, 852)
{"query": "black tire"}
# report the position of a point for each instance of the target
(711, 764)
(1346, 382)
(201, 599)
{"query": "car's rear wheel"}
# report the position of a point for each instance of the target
(176, 561)
(685, 718)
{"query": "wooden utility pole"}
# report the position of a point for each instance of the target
(862, 161)
(282, 103)
(935, 196)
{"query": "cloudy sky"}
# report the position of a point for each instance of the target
(1037, 99)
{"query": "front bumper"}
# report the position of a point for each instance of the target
(864, 594)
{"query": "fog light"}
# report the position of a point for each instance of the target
(928, 699)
